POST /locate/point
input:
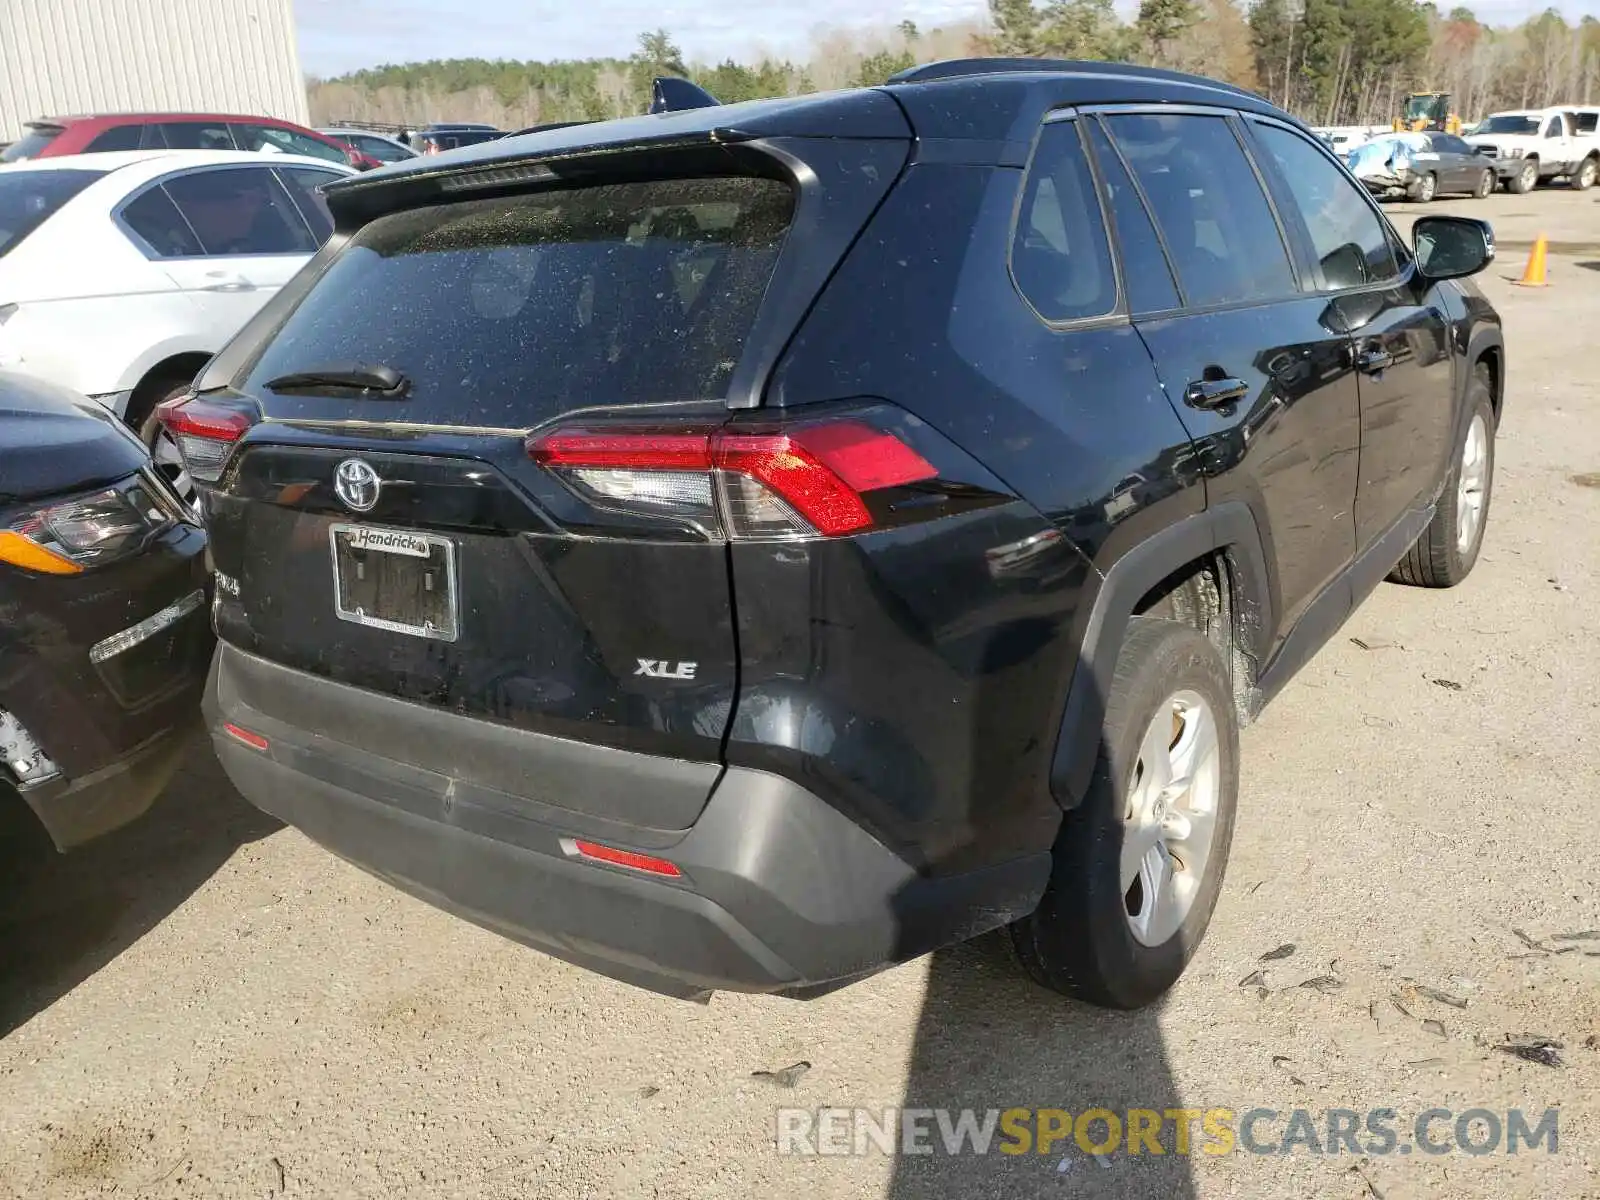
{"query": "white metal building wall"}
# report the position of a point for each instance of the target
(59, 57)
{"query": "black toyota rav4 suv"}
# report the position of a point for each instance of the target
(744, 547)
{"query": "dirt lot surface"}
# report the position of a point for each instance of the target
(208, 1005)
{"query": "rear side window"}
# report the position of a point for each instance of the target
(30, 198)
(1145, 275)
(506, 311)
(1585, 121)
(305, 185)
(197, 135)
(156, 220)
(1203, 193)
(119, 137)
(240, 210)
(1348, 238)
(1059, 254)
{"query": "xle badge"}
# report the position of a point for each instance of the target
(660, 669)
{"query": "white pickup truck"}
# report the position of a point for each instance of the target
(1530, 145)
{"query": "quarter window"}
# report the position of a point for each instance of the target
(156, 219)
(1059, 253)
(1348, 238)
(118, 137)
(1203, 193)
(286, 141)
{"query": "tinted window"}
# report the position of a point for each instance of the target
(1059, 253)
(1146, 278)
(1347, 237)
(240, 211)
(156, 219)
(121, 137)
(1553, 127)
(197, 135)
(29, 198)
(1585, 121)
(1212, 212)
(509, 310)
(1452, 145)
(304, 184)
(29, 145)
(287, 141)
(379, 148)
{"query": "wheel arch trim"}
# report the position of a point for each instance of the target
(1228, 528)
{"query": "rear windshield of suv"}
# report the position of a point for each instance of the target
(29, 198)
(507, 311)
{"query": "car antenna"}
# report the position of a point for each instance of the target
(670, 94)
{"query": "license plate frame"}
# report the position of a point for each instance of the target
(411, 544)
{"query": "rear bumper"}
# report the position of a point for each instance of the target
(779, 892)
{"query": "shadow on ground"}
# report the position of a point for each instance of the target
(987, 1038)
(63, 917)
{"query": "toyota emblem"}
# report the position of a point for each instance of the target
(357, 484)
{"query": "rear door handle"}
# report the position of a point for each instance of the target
(227, 281)
(1374, 360)
(1214, 393)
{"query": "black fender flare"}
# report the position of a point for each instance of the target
(1231, 527)
(1483, 339)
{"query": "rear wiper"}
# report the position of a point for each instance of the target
(342, 378)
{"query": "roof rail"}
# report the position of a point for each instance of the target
(957, 68)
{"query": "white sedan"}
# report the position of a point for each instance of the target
(121, 274)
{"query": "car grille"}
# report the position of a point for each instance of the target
(1489, 151)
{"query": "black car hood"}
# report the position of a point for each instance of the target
(53, 440)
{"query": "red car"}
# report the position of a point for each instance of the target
(51, 137)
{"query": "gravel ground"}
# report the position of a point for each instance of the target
(208, 1005)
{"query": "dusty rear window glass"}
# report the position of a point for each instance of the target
(505, 311)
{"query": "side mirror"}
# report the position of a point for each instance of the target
(1452, 247)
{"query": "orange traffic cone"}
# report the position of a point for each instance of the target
(1534, 275)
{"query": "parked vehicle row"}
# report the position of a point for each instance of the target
(57, 137)
(745, 549)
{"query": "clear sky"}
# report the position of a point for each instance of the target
(343, 35)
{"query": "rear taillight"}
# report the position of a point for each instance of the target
(811, 480)
(205, 432)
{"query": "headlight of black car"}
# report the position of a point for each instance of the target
(67, 536)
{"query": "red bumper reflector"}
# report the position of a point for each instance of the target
(254, 740)
(625, 858)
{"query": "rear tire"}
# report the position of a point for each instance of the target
(1525, 180)
(1584, 177)
(1448, 549)
(1485, 186)
(1170, 715)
